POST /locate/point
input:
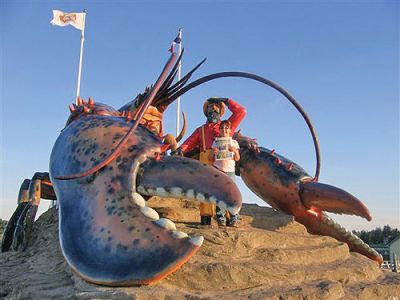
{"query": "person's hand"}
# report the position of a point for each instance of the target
(231, 149)
(253, 145)
(218, 100)
(224, 100)
(215, 150)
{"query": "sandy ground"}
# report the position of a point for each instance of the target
(269, 256)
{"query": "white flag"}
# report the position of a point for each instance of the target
(63, 19)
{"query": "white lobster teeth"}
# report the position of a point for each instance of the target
(375, 252)
(200, 197)
(151, 192)
(176, 191)
(138, 200)
(190, 193)
(179, 234)
(213, 199)
(359, 242)
(150, 213)
(352, 238)
(197, 240)
(347, 234)
(340, 228)
(141, 189)
(161, 191)
(166, 223)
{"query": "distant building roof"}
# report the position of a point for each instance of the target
(395, 240)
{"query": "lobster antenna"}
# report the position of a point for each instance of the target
(269, 83)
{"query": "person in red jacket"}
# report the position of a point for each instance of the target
(203, 137)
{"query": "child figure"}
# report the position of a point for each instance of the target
(225, 153)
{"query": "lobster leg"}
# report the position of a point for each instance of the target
(10, 228)
(18, 230)
(288, 188)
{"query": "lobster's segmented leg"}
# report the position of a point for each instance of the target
(23, 199)
(18, 231)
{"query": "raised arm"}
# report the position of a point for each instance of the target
(238, 113)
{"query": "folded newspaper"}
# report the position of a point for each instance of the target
(223, 143)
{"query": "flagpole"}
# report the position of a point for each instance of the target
(178, 103)
(78, 88)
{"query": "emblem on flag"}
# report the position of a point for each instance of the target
(68, 18)
(176, 41)
(63, 19)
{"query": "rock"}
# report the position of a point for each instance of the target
(270, 256)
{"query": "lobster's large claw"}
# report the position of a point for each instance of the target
(288, 188)
(115, 239)
(181, 177)
(107, 233)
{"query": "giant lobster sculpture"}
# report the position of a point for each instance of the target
(105, 163)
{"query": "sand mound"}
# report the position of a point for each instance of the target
(268, 257)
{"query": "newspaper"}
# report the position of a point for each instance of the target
(223, 143)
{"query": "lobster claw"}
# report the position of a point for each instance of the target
(291, 190)
(332, 199)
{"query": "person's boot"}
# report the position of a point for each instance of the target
(205, 220)
(234, 223)
(221, 222)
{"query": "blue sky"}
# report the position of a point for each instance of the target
(340, 60)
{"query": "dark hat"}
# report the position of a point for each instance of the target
(211, 101)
